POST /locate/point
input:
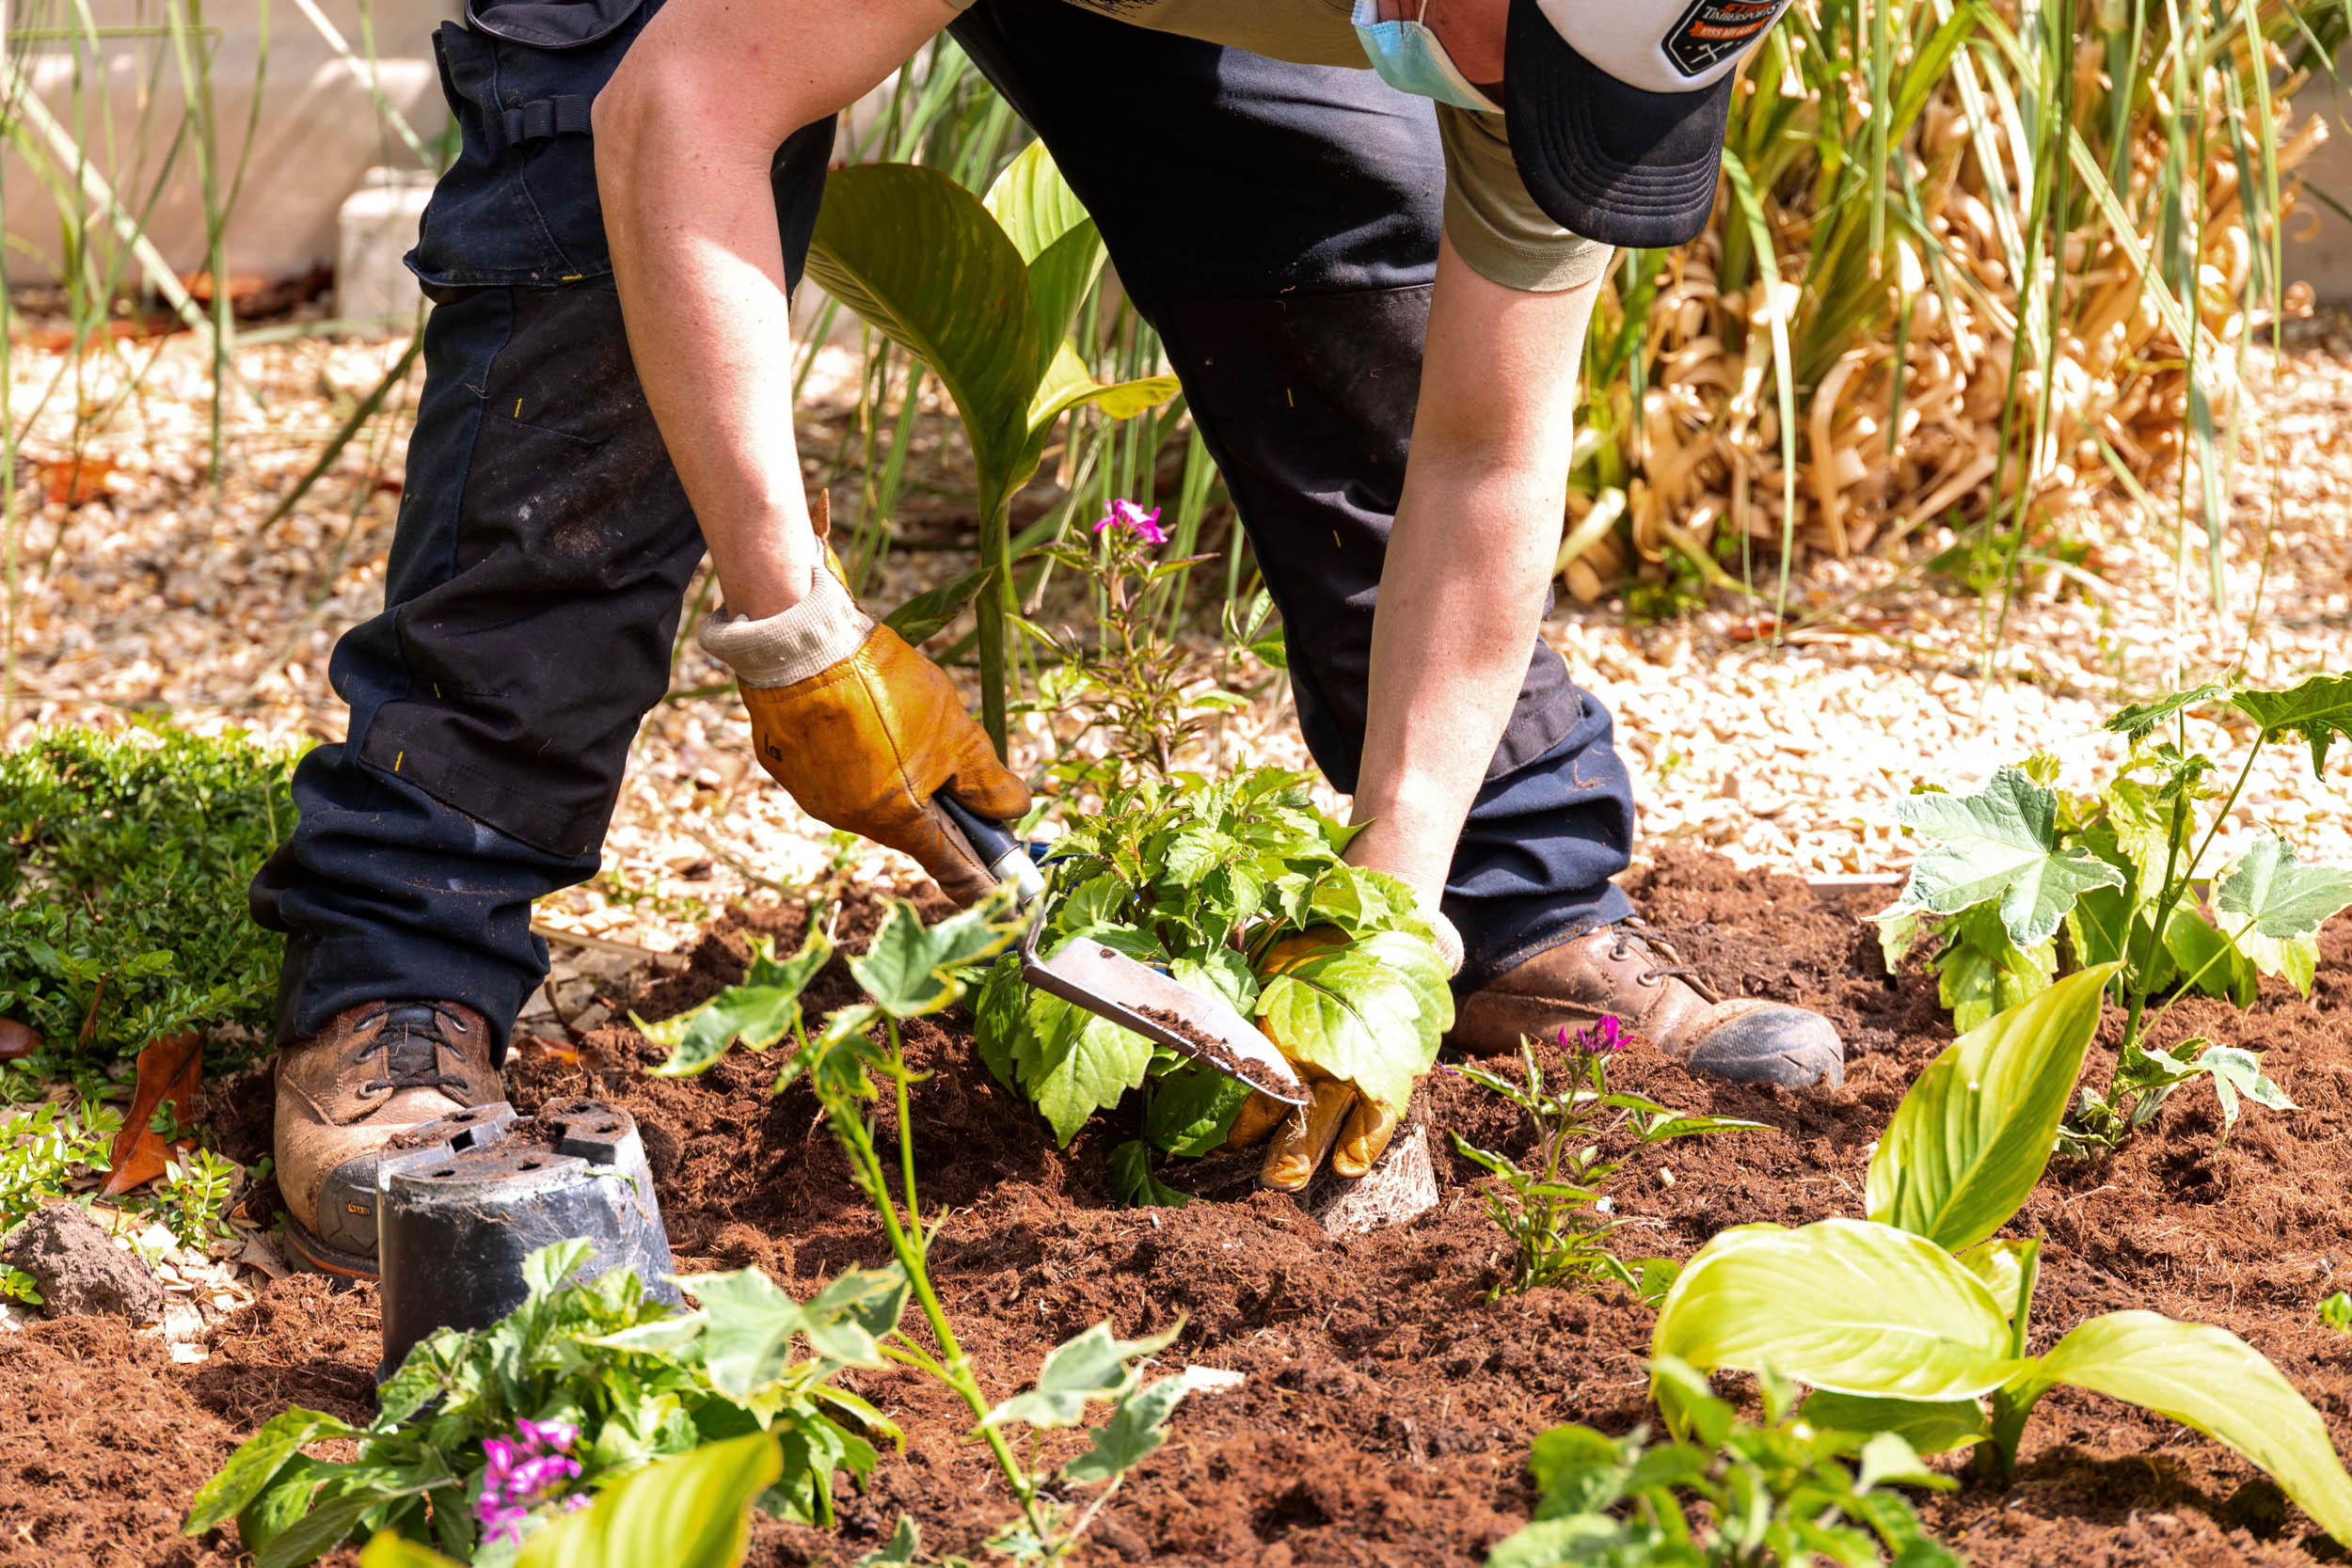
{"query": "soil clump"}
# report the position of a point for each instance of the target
(1386, 1409)
(79, 1270)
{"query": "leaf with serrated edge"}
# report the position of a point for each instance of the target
(1092, 1366)
(2209, 1379)
(2319, 710)
(2002, 844)
(2139, 721)
(1974, 1132)
(2280, 896)
(1844, 1305)
(1369, 1012)
(911, 969)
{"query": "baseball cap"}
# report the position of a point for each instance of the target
(1615, 109)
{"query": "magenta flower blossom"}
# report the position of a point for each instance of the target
(1604, 1038)
(528, 1469)
(1128, 517)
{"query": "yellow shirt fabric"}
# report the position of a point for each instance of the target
(1494, 223)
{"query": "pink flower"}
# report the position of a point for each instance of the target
(526, 1470)
(1126, 516)
(1604, 1038)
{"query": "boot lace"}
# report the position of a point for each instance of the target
(1636, 940)
(412, 1035)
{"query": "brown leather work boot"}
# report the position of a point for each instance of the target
(1625, 969)
(375, 1070)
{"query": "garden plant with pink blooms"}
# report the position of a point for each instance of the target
(1555, 1210)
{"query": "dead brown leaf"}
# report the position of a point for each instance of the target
(167, 1070)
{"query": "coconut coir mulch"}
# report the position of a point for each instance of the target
(1387, 1410)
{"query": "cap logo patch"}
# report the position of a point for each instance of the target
(1713, 31)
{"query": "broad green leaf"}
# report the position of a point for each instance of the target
(390, 1549)
(918, 258)
(258, 1460)
(1845, 1305)
(1571, 1543)
(869, 1300)
(1980, 972)
(2139, 721)
(2281, 897)
(1073, 1064)
(2204, 956)
(1092, 1366)
(748, 1328)
(557, 1263)
(1066, 383)
(1930, 1426)
(285, 1500)
(1191, 1108)
(1034, 205)
(1974, 1132)
(2002, 844)
(2001, 1264)
(2319, 710)
(1890, 1457)
(926, 614)
(687, 1511)
(1059, 278)
(760, 1012)
(912, 969)
(1132, 1180)
(316, 1533)
(906, 1539)
(2209, 1379)
(2294, 958)
(1138, 1427)
(1369, 1012)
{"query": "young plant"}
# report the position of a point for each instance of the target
(582, 1383)
(1554, 1214)
(1201, 879)
(2336, 1311)
(124, 864)
(46, 1147)
(1140, 689)
(1917, 1319)
(197, 1188)
(1787, 1492)
(907, 972)
(2017, 865)
(985, 291)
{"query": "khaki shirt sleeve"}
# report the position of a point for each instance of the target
(1492, 220)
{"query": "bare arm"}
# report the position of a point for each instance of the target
(685, 133)
(1462, 589)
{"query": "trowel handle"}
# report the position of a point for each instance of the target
(994, 847)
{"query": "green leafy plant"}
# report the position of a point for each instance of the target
(691, 1509)
(1783, 1491)
(196, 1187)
(2014, 868)
(1917, 1319)
(627, 1378)
(1203, 879)
(985, 291)
(1554, 1212)
(1130, 677)
(124, 858)
(44, 1147)
(2336, 1311)
(910, 971)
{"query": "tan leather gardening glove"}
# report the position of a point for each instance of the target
(863, 731)
(1301, 1135)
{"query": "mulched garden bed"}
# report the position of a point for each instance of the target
(1387, 1409)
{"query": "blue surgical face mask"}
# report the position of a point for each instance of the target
(1409, 59)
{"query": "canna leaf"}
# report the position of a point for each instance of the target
(1975, 1132)
(2319, 710)
(689, 1511)
(2279, 897)
(2209, 1379)
(1930, 1426)
(1849, 1305)
(2001, 843)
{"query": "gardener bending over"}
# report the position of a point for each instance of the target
(1339, 260)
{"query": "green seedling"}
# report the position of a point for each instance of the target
(1554, 1212)
(1916, 1320)
(912, 971)
(44, 1147)
(631, 1378)
(2336, 1312)
(1736, 1495)
(2021, 866)
(194, 1196)
(1201, 879)
(17, 1286)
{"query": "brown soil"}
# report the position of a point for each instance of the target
(1387, 1410)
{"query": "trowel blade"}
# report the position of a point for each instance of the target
(1111, 984)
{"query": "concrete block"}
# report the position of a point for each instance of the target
(375, 227)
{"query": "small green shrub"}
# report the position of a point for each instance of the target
(123, 886)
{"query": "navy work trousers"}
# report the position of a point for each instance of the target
(1278, 224)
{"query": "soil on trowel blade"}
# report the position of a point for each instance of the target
(1386, 1408)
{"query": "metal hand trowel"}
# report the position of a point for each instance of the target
(1110, 985)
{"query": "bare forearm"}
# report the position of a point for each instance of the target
(1462, 589)
(685, 134)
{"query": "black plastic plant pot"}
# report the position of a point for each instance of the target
(462, 1201)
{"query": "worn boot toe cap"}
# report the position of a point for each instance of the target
(1767, 1042)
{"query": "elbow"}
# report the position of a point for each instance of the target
(621, 131)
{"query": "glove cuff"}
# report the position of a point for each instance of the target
(1449, 941)
(791, 645)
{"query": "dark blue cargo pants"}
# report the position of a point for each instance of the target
(1277, 224)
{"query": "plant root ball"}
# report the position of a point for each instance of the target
(79, 1269)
